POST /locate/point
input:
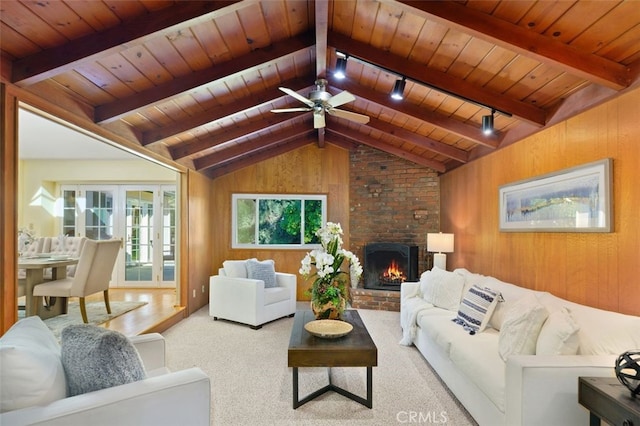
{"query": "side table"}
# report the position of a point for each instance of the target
(607, 399)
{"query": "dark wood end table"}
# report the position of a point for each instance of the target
(607, 399)
(356, 349)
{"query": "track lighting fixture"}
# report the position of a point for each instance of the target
(398, 89)
(487, 123)
(341, 68)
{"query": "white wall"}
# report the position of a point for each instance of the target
(39, 185)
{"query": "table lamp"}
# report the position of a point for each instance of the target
(439, 243)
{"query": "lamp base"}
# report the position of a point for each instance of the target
(440, 261)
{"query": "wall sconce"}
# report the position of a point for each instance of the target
(398, 89)
(487, 123)
(439, 243)
(341, 68)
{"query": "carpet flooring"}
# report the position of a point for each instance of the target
(252, 385)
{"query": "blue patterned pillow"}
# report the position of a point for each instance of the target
(476, 308)
(264, 271)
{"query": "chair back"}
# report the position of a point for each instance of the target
(66, 245)
(95, 267)
(39, 245)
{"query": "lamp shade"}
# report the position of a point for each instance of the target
(440, 243)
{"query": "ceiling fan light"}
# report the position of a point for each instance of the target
(398, 90)
(487, 124)
(341, 69)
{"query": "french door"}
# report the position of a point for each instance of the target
(144, 216)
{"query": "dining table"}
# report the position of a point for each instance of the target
(34, 267)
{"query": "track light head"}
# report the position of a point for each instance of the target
(341, 69)
(487, 123)
(398, 90)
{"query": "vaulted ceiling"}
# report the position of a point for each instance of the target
(195, 82)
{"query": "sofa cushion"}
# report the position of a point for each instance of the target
(476, 357)
(235, 268)
(559, 335)
(442, 288)
(275, 295)
(30, 366)
(96, 358)
(521, 327)
(476, 308)
(262, 270)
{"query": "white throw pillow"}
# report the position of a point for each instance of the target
(264, 270)
(235, 268)
(559, 335)
(30, 367)
(497, 318)
(521, 327)
(442, 289)
(476, 308)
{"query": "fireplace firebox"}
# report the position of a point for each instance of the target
(387, 265)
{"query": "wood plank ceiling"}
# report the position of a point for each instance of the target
(196, 81)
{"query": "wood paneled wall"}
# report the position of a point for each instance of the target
(600, 269)
(307, 170)
(196, 240)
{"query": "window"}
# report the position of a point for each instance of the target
(277, 221)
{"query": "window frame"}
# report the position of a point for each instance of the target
(257, 197)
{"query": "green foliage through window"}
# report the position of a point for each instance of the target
(277, 220)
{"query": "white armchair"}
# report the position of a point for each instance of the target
(234, 296)
(164, 397)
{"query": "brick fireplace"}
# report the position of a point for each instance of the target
(392, 201)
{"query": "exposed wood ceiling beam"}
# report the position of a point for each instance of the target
(250, 102)
(245, 148)
(438, 80)
(230, 135)
(341, 140)
(421, 141)
(172, 89)
(322, 19)
(528, 43)
(467, 131)
(259, 155)
(346, 131)
(48, 63)
(321, 134)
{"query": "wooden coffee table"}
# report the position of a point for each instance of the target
(353, 350)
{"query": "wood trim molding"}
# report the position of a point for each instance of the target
(9, 212)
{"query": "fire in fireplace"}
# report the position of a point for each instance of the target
(387, 265)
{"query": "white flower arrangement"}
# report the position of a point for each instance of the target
(330, 283)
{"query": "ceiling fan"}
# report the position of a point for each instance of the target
(321, 101)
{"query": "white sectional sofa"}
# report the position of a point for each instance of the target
(523, 368)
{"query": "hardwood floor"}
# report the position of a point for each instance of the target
(160, 312)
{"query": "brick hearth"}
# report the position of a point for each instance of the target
(379, 300)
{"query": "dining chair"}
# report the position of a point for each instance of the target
(93, 274)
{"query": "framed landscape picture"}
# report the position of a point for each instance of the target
(577, 199)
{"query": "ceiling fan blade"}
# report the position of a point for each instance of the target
(318, 120)
(341, 98)
(297, 96)
(352, 116)
(291, 110)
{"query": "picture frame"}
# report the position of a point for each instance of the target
(577, 199)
